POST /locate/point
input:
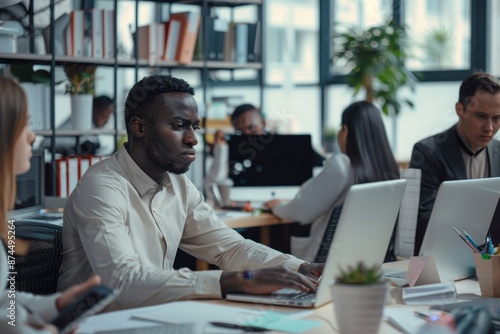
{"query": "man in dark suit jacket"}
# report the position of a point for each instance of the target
(464, 151)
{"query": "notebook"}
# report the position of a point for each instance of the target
(271, 165)
(464, 204)
(30, 195)
(363, 233)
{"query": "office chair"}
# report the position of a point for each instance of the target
(38, 271)
(324, 248)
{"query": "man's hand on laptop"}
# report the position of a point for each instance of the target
(314, 270)
(266, 281)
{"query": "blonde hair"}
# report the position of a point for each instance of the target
(13, 118)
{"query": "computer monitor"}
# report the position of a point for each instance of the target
(270, 160)
(30, 194)
(464, 204)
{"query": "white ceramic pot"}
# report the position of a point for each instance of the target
(359, 307)
(81, 111)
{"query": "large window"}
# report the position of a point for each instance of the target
(439, 34)
(291, 41)
(447, 38)
(359, 13)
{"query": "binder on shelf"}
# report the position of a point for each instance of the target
(69, 171)
(73, 172)
(62, 177)
(108, 28)
(76, 35)
(190, 23)
(254, 41)
(217, 30)
(241, 43)
(151, 42)
(172, 31)
(229, 43)
(97, 33)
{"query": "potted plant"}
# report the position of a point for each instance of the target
(376, 58)
(330, 140)
(359, 294)
(81, 86)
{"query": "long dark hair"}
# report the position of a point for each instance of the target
(367, 146)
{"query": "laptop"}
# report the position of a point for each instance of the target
(464, 204)
(271, 165)
(30, 194)
(363, 233)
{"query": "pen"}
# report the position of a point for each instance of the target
(428, 317)
(490, 245)
(235, 326)
(465, 240)
(469, 238)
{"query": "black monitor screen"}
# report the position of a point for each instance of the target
(30, 184)
(270, 160)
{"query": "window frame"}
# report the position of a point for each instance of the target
(478, 45)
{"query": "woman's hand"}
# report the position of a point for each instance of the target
(272, 204)
(70, 295)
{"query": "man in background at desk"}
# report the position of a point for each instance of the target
(464, 151)
(248, 120)
(131, 212)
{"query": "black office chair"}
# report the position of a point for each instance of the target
(38, 271)
(324, 248)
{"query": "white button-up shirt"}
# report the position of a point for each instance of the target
(122, 225)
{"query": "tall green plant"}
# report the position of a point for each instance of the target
(377, 57)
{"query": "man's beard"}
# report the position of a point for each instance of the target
(157, 152)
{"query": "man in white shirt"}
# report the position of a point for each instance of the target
(131, 212)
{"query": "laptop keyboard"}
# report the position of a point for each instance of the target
(293, 294)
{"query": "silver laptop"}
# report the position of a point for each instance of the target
(30, 194)
(363, 233)
(464, 204)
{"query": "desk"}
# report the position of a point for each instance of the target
(263, 220)
(324, 314)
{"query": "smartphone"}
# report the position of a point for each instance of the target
(90, 302)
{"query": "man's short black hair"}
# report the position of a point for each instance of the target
(241, 109)
(479, 81)
(101, 102)
(142, 97)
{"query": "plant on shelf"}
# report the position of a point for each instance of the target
(359, 292)
(81, 79)
(26, 73)
(377, 60)
(81, 86)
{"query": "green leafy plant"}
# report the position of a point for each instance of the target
(26, 73)
(81, 79)
(377, 60)
(360, 274)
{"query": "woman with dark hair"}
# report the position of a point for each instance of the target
(366, 157)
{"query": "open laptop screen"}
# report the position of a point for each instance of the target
(270, 160)
(30, 187)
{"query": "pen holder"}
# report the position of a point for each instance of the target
(488, 274)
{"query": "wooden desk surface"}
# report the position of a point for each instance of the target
(264, 219)
(325, 315)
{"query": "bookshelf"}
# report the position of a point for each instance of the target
(203, 66)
